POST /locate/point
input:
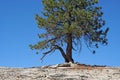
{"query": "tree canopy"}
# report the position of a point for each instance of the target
(67, 23)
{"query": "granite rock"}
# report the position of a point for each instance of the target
(61, 72)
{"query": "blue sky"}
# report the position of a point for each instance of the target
(18, 29)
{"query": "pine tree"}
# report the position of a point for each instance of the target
(67, 23)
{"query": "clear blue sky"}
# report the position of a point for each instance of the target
(18, 29)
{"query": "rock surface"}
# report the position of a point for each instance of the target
(61, 72)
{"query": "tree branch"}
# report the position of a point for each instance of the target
(45, 53)
(62, 52)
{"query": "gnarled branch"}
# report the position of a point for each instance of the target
(62, 52)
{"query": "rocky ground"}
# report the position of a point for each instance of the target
(61, 72)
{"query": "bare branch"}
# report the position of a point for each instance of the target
(61, 50)
(44, 54)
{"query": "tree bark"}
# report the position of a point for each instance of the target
(69, 48)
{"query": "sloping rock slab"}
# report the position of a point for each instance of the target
(61, 72)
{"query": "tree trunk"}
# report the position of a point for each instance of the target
(69, 48)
